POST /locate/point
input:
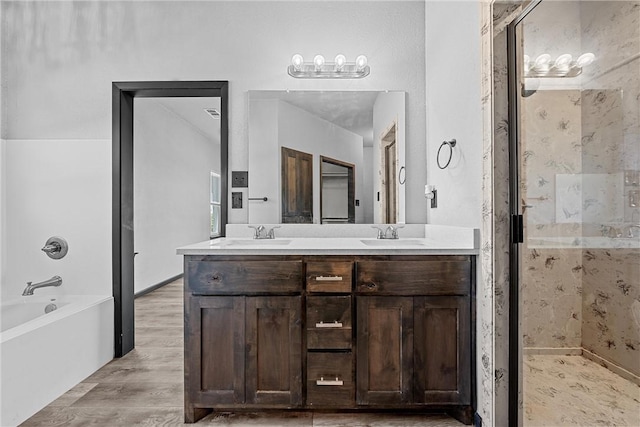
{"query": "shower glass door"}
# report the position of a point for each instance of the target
(577, 65)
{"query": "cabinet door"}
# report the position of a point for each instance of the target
(215, 373)
(385, 350)
(274, 347)
(442, 358)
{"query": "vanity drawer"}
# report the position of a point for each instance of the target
(329, 322)
(435, 275)
(329, 276)
(244, 277)
(330, 380)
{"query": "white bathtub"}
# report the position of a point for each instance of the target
(44, 355)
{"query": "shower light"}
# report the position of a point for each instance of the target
(585, 59)
(297, 61)
(541, 63)
(319, 69)
(361, 62)
(340, 61)
(563, 62)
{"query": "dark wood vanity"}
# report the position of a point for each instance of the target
(343, 333)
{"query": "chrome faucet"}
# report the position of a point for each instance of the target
(260, 234)
(54, 281)
(384, 234)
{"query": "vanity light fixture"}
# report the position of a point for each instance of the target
(320, 69)
(563, 66)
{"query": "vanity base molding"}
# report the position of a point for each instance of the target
(329, 333)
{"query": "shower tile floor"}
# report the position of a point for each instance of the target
(145, 388)
(575, 391)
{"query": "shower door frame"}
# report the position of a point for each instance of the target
(515, 211)
(123, 94)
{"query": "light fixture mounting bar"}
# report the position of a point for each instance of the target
(329, 70)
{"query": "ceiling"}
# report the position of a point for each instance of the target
(351, 110)
(192, 111)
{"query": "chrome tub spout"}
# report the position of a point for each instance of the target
(54, 281)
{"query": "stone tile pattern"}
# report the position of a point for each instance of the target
(551, 303)
(574, 391)
(611, 306)
(145, 387)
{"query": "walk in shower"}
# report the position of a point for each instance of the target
(576, 100)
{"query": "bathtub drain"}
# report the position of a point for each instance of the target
(50, 307)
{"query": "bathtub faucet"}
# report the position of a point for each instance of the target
(54, 281)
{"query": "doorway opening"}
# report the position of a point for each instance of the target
(123, 190)
(337, 192)
(389, 167)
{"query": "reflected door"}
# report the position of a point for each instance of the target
(297, 186)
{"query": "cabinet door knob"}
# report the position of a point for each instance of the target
(371, 285)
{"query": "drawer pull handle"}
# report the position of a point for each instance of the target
(329, 278)
(371, 285)
(335, 324)
(322, 381)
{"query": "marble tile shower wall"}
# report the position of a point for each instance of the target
(611, 145)
(579, 146)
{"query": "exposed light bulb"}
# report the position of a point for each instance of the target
(542, 62)
(361, 62)
(585, 59)
(297, 60)
(340, 61)
(563, 62)
(318, 62)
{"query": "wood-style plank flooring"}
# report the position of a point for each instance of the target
(145, 387)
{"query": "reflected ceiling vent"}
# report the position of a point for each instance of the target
(213, 112)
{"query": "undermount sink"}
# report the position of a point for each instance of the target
(258, 242)
(392, 242)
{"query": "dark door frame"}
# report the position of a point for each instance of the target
(122, 174)
(515, 209)
(351, 189)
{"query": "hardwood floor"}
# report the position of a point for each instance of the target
(145, 387)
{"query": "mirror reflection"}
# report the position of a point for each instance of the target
(330, 157)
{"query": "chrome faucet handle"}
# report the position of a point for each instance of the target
(394, 232)
(271, 234)
(380, 231)
(258, 230)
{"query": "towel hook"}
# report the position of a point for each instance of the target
(451, 144)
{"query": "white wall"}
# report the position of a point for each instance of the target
(172, 166)
(453, 100)
(68, 53)
(68, 184)
(389, 108)
(279, 124)
(305, 132)
(264, 161)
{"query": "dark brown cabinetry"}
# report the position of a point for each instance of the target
(358, 332)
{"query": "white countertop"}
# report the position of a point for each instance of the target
(330, 246)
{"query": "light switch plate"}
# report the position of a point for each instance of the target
(239, 179)
(236, 200)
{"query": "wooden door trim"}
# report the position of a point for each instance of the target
(351, 183)
(123, 94)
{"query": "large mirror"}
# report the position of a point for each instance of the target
(326, 157)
